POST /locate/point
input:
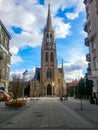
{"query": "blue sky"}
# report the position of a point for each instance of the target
(25, 20)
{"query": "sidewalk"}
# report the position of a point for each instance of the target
(89, 112)
(49, 113)
(8, 112)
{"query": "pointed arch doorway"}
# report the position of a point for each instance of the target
(49, 89)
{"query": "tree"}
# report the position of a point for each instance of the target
(89, 86)
(16, 86)
(81, 88)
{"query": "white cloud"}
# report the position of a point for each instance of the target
(76, 64)
(79, 7)
(71, 16)
(16, 59)
(26, 39)
(74, 69)
(13, 50)
(30, 16)
(74, 75)
(62, 30)
(29, 76)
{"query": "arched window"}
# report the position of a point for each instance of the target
(47, 35)
(49, 73)
(50, 35)
(51, 56)
(46, 56)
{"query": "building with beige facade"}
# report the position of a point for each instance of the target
(4, 57)
(49, 79)
(91, 27)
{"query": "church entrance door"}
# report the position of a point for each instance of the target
(49, 89)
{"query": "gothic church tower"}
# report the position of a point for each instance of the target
(48, 80)
(49, 71)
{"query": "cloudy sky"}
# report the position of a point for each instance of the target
(25, 20)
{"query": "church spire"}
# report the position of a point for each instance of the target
(49, 23)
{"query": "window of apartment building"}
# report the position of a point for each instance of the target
(89, 27)
(87, 11)
(7, 69)
(1, 55)
(3, 71)
(97, 5)
(6, 77)
(6, 42)
(95, 64)
(0, 74)
(93, 45)
(2, 38)
(97, 83)
(8, 60)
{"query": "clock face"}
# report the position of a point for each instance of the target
(49, 40)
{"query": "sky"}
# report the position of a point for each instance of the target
(25, 21)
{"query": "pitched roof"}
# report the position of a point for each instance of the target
(60, 70)
(5, 29)
(49, 22)
(72, 84)
(37, 74)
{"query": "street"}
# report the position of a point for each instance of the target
(50, 113)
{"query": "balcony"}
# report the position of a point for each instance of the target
(89, 65)
(86, 27)
(88, 72)
(87, 42)
(88, 69)
(88, 57)
(85, 1)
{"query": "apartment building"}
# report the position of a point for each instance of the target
(91, 41)
(4, 57)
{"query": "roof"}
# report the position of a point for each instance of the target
(37, 74)
(5, 29)
(49, 22)
(60, 70)
(72, 84)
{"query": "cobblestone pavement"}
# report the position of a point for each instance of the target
(49, 113)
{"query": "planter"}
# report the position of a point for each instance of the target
(16, 103)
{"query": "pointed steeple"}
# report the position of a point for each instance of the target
(49, 23)
(62, 67)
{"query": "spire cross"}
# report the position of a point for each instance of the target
(49, 5)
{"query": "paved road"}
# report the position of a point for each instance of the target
(49, 114)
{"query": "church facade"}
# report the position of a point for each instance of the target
(49, 79)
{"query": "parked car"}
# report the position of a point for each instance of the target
(4, 96)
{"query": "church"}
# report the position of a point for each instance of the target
(48, 79)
